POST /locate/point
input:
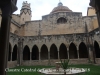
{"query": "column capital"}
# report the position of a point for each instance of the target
(67, 49)
(77, 48)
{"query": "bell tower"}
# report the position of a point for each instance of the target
(25, 13)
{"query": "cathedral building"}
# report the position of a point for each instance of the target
(61, 34)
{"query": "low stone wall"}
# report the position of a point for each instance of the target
(11, 64)
(52, 62)
(79, 61)
(34, 62)
(26, 63)
(97, 60)
(49, 62)
(30, 62)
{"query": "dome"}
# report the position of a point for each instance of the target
(60, 8)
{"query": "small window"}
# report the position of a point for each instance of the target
(61, 20)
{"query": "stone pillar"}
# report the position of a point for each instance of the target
(58, 55)
(39, 56)
(11, 56)
(90, 55)
(68, 53)
(78, 53)
(6, 8)
(30, 56)
(48, 57)
(20, 51)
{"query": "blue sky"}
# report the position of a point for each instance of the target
(44, 7)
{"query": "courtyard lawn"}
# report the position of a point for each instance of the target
(91, 70)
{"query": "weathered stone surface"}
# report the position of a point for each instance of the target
(77, 29)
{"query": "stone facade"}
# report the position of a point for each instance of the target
(61, 34)
(91, 11)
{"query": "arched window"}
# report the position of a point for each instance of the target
(61, 20)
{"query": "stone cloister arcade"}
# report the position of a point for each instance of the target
(49, 49)
(54, 53)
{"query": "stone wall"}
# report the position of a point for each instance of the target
(91, 11)
(48, 41)
(52, 62)
(49, 26)
(55, 39)
(13, 40)
(14, 29)
(97, 60)
(12, 64)
(16, 17)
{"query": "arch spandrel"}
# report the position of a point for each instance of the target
(54, 45)
(28, 47)
(73, 43)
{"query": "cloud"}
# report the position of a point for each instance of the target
(44, 7)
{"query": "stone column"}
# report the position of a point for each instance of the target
(48, 57)
(78, 53)
(11, 56)
(39, 56)
(58, 55)
(21, 53)
(6, 8)
(90, 54)
(30, 56)
(68, 53)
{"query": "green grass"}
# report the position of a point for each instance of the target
(94, 70)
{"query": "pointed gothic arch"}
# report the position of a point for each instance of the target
(14, 53)
(44, 52)
(35, 53)
(53, 52)
(83, 52)
(97, 49)
(26, 53)
(73, 51)
(63, 52)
